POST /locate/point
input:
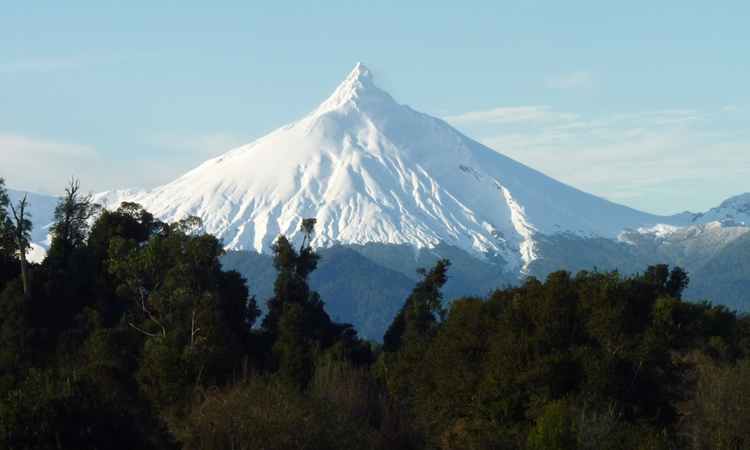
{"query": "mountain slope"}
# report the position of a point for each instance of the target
(724, 278)
(373, 171)
(734, 211)
(41, 210)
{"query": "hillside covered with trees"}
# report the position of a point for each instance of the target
(130, 334)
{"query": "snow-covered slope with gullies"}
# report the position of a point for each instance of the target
(734, 211)
(371, 170)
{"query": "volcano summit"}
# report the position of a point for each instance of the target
(374, 171)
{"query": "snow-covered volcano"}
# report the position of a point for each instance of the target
(372, 170)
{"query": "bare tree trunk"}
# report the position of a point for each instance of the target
(24, 275)
(23, 226)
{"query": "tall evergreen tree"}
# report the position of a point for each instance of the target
(297, 326)
(421, 310)
(408, 339)
(294, 269)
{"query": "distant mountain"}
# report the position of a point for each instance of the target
(734, 211)
(373, 171)
(725, 277)
(42, 211)
(394, 189)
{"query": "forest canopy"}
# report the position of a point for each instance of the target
(130, 334)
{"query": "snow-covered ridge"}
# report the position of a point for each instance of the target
(357, 85)
(371, 170)
(733, 211)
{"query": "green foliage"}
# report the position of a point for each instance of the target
(129, 222)
(49, 412)
(421, 311)
(294, 347)
(34, 415)
(16, 336)
(554, 430)
(297, 327)
(291, 286)
(196, 318)
(494, 369)
(404, 362)
(134, 335)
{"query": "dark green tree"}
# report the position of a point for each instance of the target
(404, 361)
(297, 327)
(421, 311)
(294, 269)
(72, 215)
(195, 317)
(553, 430)
(130, 222)
(49, 412)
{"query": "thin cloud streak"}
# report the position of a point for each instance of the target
(45, 166)
(579, 80)
(208, 144)
(630, 157)
(44, 65)
(16, 146)
(510, 115)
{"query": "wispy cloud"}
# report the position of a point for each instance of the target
(42, 165)
(45, 166)
(19, 147)
(510, 115)
(634, 157)
(579, 80)
(661, 117)
(209, 144)
(51, 64)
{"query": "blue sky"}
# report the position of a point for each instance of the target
(644, 103)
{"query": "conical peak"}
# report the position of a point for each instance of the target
(360, 77)
(356, 86)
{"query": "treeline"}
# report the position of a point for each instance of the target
(131, 335)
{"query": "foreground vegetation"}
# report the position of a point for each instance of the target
(131, 335)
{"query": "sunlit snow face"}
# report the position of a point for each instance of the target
(373, 171)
